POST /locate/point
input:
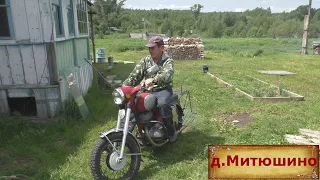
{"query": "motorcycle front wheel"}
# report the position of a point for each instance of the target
(104, 165)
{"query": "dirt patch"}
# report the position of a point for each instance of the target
(239, 119)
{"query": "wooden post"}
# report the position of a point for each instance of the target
(92, 37)
(306, 30)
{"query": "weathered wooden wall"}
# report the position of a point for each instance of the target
(32, 21)
(47, 99)
(65, 56)
(83, 76)
(31, 63)
(23, 64)
(75, 64)
(82, 50)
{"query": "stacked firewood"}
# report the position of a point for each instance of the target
(184, 48)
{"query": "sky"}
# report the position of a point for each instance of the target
(221, 5)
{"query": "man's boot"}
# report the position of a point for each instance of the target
(171, 129)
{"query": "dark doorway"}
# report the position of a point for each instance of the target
(25, 106)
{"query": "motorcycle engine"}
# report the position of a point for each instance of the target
(145, 117)
(157, 132)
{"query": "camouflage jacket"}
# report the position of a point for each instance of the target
(163, 79)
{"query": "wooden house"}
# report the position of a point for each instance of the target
(42, 42)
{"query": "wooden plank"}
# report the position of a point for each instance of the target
(29, 64)
(230, 85)
(81, 79)
(64, 89)
(41, 64)
(89, 76)
(5, 69)
(18, 93)
(307, 132)
(86, 77)
(220, 80)
(20, 21)
(276, 72)
(46, 22)
(27, 86)
(244, 93)
(4, 107)
(298, 139)
(304, 49)
(16, 64)
(317, 141)
(41, 103)
(34, 21)
(77, 79)
(77, 96)
(53, 101)
(291, 93)
(52, 63)
(274, 99)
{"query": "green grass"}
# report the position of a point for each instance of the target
(119, 43)
(62, 151)
(249, 48)
(252, 86)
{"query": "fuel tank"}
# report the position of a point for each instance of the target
(146, 102)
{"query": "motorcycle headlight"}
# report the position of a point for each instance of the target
(118, 96)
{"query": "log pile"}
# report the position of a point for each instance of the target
(184, 48)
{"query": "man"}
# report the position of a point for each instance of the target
(162, 82)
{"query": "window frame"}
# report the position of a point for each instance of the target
(53, 5)
(71, 33)
(10, 23)
(82, 7)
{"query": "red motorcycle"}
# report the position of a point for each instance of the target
(118, 154)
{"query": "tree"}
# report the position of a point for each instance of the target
(253, 32)
(196, 8)
(165, 27)
(254, 23)
(229, 19)
(108, 13)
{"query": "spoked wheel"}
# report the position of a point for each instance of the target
(104, 159)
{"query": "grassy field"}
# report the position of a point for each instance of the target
(61, 151)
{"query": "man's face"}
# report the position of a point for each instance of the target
(155, 52)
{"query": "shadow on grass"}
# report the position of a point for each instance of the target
(191, 145)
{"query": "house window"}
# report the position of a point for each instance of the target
(5, 30)
(70, 17)
(57, 13)
(82, 16)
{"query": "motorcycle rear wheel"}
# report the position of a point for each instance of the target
(104, 145)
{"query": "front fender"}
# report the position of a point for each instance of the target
(106, 133)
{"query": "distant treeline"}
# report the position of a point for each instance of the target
(258, 22)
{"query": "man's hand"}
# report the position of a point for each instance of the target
(149, 82)
(142, 82)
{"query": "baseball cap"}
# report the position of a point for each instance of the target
(154, 41)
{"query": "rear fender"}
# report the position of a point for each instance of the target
(105, 135)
